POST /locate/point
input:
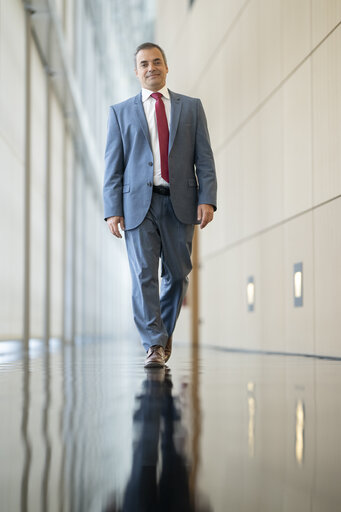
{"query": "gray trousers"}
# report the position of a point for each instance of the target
(160, 235)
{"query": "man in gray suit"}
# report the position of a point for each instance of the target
(159, 181)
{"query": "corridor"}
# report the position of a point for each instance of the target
(250, 421)
(86, 428)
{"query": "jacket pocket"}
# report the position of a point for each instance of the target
(126, 188)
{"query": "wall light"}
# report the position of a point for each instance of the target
(250, 294)
(298, 285)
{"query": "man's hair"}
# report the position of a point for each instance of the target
(148, 46)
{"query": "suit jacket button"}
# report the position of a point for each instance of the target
(150, 163)
(149, 183)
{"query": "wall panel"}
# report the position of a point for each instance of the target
(38, 198)
(270, 85)
(325, 17)
(12, 108)
(270, 55)
(271, 161)
(56, 219)
(272, 290)
(248, 28)
(229, 217)
(222, 299)
(12, 247)
(326, 86)
(89, 276)
(12, 69)
(297, 142)
(80, 251)
(250, 168)
(295, 32)
(69, 238)
(327, 250)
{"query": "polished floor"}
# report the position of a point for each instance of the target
(87, 428)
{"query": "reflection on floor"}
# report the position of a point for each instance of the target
(87, 428)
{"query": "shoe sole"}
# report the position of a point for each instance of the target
(154, 364)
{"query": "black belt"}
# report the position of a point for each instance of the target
(164, 191)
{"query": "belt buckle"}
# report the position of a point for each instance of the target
(159, 189)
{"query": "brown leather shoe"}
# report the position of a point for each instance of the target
(155, 357)
(168, 348)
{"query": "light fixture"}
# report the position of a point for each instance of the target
(250, 294)
(298, 285)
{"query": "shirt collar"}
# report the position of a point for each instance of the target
(146, 93)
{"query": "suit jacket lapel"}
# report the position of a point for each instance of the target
(175, 116)
(142, 117)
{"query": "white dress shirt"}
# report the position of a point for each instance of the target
(149, 110)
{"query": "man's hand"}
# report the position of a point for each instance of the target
(113, 223)
(205, 214)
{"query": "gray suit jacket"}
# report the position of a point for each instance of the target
(128, 180)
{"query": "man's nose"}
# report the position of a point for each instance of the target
(151, 66)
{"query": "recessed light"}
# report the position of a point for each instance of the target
(250, 294)
(298, 285)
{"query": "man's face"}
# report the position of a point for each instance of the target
(151, 69)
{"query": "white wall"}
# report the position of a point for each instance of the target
(269, 75)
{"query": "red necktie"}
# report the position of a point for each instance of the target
(162, 128)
